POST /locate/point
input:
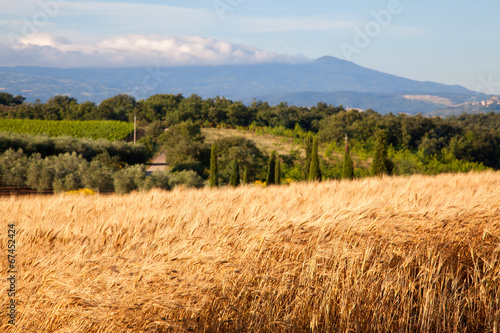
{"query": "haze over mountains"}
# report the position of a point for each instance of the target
(327, 79)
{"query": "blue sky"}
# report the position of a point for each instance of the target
(452, 42)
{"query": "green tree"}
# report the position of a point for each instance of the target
(187, 109)
(119, 107)
(308, 142)
(381, 163)
(99, 176)
(10, 100)
(183, 144)
(215, 110)
(247, 154)
(108, 161)
(129, 179)
(60, 107)
(70, 182)
(348, 165)
(238, 114)
(314, 172)
(158, 107)
(67, 170)
(271, 169)
(40, 175)
(86, 111)
(214, 172)
(277, 174)
(235, 174)
(13, 167)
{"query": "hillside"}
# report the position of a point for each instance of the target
(326, 79)
(374, 255)
(265, 142)
(383, 103)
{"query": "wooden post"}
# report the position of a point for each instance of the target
(346, 148)
(135, 128)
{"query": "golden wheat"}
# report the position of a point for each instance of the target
(414, 254)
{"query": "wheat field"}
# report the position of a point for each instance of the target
(414, 254)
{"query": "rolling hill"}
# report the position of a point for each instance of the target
(326, 79)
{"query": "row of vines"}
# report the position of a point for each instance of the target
(109, 130)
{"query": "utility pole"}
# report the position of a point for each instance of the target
(135, 128)
(346, 148)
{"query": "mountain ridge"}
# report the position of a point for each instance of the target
(326, 77)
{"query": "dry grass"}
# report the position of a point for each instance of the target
(265, 142)
(418, 254)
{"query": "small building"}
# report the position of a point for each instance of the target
(493, 101)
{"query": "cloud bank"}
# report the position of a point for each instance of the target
(134, 50)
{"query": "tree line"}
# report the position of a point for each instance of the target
(126, 153)
(70, 171)
(352, 143)
(474, 138)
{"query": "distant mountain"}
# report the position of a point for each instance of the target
(326, 79)
(381, 102)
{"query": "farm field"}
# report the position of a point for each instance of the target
(392, 254)
(109, 130)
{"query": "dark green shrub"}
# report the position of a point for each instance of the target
(13, 168)
(71, 182)
(88, 148)
(381, 163)
(160, 180)
(271, 169)
(246, 152)
(234, 180)
(67, 169)
(40, 175)
(277, 175)
(129, 179)
(98, 177)
(107, 161)
(188, 178)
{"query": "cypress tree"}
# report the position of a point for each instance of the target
(214, 170)
(308, 148)
(271, 169)
(381, 163)
(348, 165)
(245, 175)
(277, 174)
(314, 172)
(234, 180)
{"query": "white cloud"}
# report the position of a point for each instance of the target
(134, 50)
(96, 20)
